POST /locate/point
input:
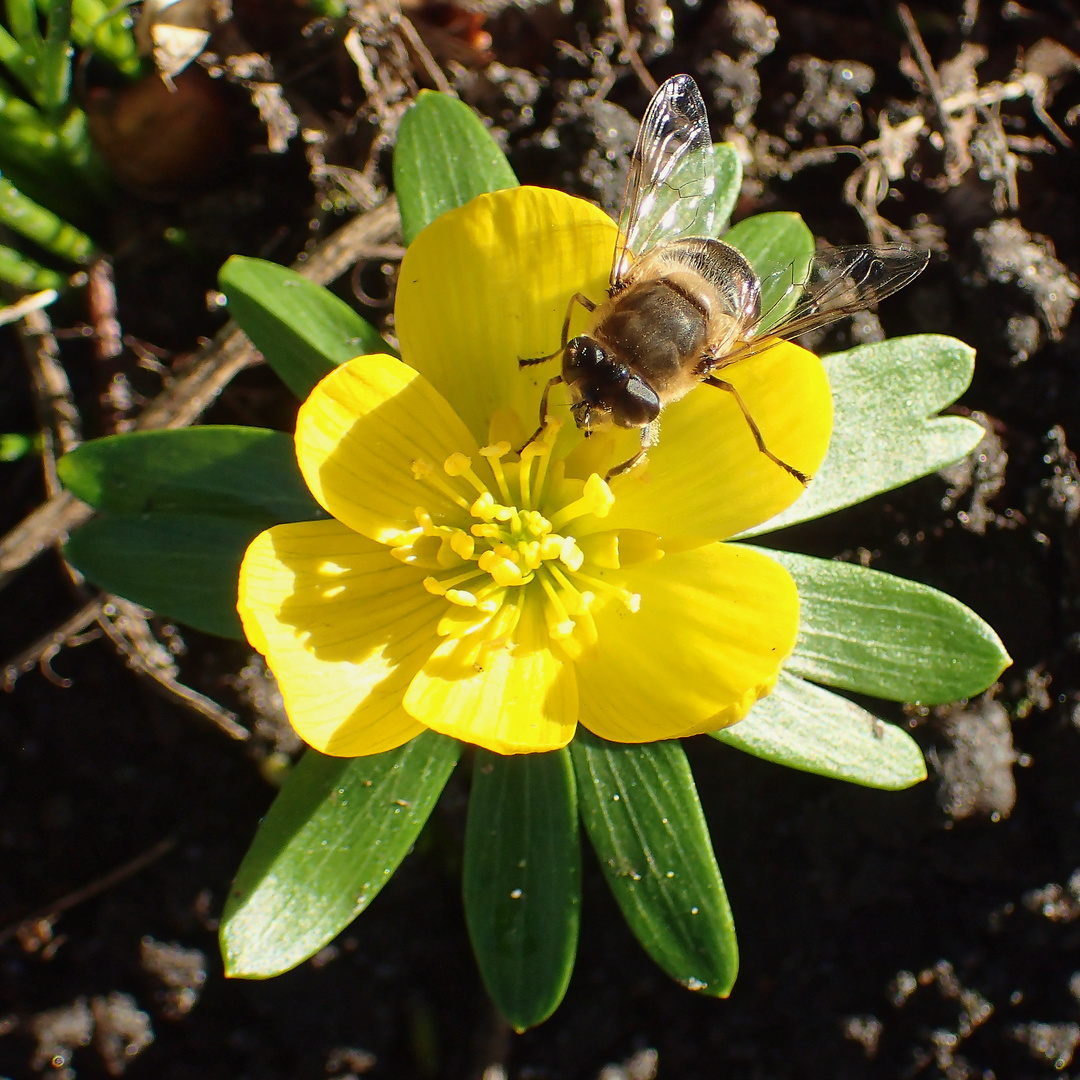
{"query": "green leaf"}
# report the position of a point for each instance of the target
(804, 727)
(332, 839)
(727, 168)
(183, 566)
(522, 880)
(641, 810)
(444, 157)
(302, 329)
(244, 472)
(779, 247)
(885, 429)
(877, 634)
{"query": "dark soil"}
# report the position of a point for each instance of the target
(933, 932)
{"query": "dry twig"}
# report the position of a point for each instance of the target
(30, 926)
(957, 152)
(617, 15)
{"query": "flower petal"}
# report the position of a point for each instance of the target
(344, 627)
(706, 478)
(358, 439)
(714, 627)
(489, 283)
(514, 700)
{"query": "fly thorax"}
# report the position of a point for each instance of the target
(653, 327)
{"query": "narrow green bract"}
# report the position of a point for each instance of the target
(444, 157)
(227, 470)
(779, 247)
(522, 880)
(641, 810)
(886, 431)
(302, 329)
(873, 633)
(727, 168)
(332, 839)
(179, 509)
(805, 727)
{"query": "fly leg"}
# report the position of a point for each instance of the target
(650, 435)
(720, 384)
(553, 381)
(588, 305)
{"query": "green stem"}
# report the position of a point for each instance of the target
(23, 19)
(24, 273)
(18, 62)
(56, 57)
(54, 166)
(333, 9)
(106, 32)
(45, 228)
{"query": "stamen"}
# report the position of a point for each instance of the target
(494, 455)
(515, 535)
(596, 498)
(497, 633)
(461, 465)
(548, 441)
(440, 588)
(459, 622)
(504, 571)
(558, 620)
(577, 602)
(460, 597)
(421, 470)
(528, 454)
(632, 601)
(463, 544)
(571, 555)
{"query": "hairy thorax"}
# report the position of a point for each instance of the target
(667, 322)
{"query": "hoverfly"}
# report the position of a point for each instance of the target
(681, 305)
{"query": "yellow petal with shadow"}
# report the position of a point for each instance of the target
(344, 627)
(714, 627)
(515, 699)
(361, 436)
(706, 479)
(488, 284)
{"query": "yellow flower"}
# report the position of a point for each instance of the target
(502, 600)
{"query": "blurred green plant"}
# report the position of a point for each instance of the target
(177, 509)
(51, 174)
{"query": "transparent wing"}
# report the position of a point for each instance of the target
(671, 189)
(839, 282)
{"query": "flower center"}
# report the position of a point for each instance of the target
(510, 554)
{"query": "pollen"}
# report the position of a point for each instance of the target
(512, 547)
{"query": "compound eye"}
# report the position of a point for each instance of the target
(639, 404)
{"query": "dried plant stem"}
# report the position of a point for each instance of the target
(128, 628)
(957, 154)
(60, 422)
(50, 912)
(617, 14)
(416, 45)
